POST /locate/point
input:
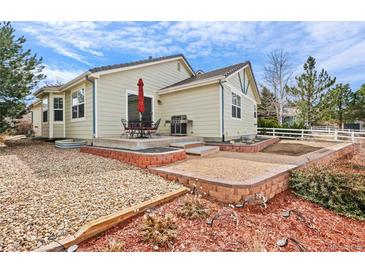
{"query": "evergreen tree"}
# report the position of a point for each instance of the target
(337, 102)
(309, 90)
(267, 108)
(20, 71)
(357, 107)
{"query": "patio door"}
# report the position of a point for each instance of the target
(133, 114)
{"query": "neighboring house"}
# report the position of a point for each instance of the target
(219, 104)
(290, 115)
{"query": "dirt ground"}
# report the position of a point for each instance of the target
(252, 228)
(291, 149)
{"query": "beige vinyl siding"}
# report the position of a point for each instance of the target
(45, 126)
(37, 120)
(82, 129)
(247, 124)
(112, 89)
(58, 130)
(201, 104)
(234, 80)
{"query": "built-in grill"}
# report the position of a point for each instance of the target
(179, 125)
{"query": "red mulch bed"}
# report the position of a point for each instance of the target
(311, 227)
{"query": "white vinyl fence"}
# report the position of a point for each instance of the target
(313, 134)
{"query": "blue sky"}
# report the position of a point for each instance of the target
(70, 48)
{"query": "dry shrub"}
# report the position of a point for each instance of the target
(114, 246)
(258, 242)
(193, 208)
(160, 230)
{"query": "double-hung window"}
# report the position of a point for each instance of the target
(236, 106)
(254, 111)
(45, 110)
(78, 104)
(58, 109)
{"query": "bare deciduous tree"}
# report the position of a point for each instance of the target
(277, 74)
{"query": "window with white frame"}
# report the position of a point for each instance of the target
(78, 104)
(45, 110)
(254, 111)
(236, 105)
(58, 109)
(178, 66)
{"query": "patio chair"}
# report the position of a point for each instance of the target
(153, 128)
(128, 130)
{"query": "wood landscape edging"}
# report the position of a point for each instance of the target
(103, 223)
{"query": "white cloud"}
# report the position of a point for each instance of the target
(337, 46)
(55, 74)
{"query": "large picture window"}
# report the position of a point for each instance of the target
(78, 104)
(236, 106)
(58, 109)
(45, 110)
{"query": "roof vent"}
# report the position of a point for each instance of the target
(199, 72)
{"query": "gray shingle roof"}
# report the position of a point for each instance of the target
(102, 68)
(226, 71)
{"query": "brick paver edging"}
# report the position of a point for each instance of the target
(268, 184)
(239, 147)
(142, 160)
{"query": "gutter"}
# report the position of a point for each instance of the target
(222, 107)
(94, 97)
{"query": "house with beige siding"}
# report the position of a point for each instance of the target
(219, 104)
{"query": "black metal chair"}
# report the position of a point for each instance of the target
(153, 127)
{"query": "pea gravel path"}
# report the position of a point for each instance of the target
(47, 194)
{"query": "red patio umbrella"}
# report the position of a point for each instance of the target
(140, 106)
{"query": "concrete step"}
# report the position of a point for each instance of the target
(202, 150)
(189, 144)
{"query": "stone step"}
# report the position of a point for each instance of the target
(187, 145)
(202, 150)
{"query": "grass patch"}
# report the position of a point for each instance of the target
(341, 191)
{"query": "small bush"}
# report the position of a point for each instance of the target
(193, 209)
(114, 246)
(158, 229)
(343, 192)
(268, 123)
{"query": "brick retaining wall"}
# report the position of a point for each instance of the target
(142, 160)
(268, 184)
(239, 147)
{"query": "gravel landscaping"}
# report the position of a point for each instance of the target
(225, 168)
(47, 194)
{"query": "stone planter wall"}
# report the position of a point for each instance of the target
(142, 160)
(238, 147)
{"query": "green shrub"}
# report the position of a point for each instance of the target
(264, 122)
(338, 191)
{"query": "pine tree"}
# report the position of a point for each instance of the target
(337, 101)
(20, 71)
(309, 90)
(357, 106)
(267, 108)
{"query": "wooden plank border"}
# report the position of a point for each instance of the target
(104, 223)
